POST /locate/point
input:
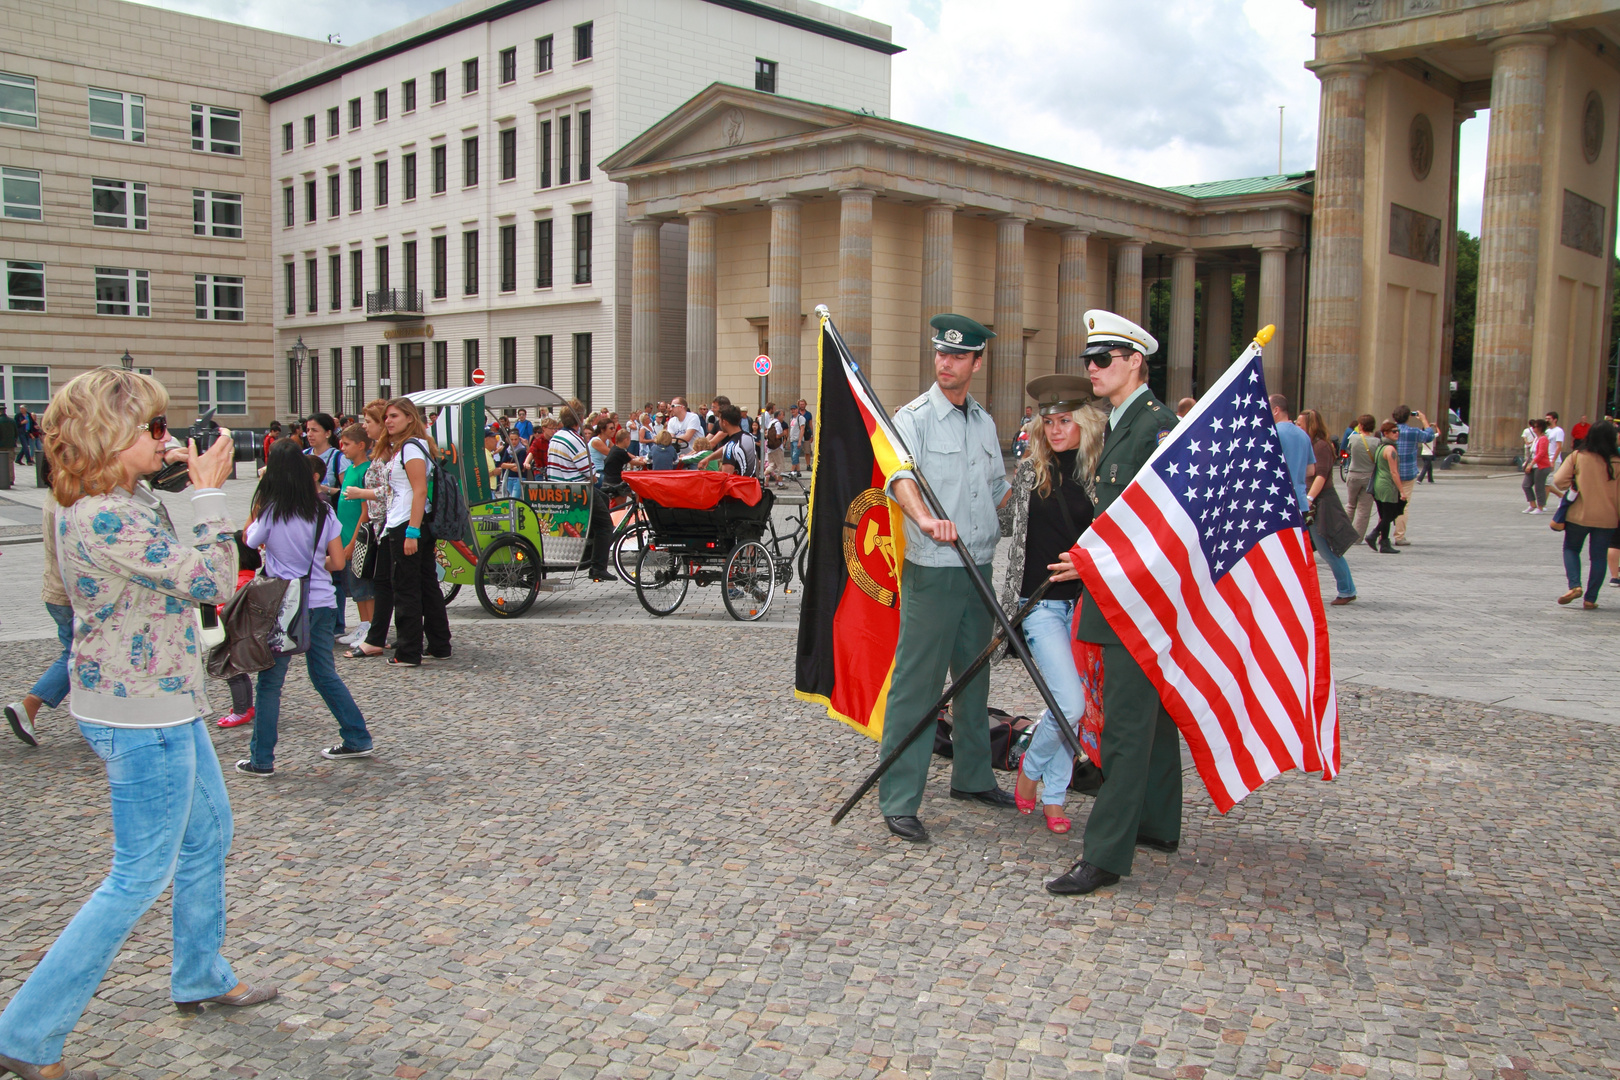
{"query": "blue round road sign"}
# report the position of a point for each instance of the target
(762, 364)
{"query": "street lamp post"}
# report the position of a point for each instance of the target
(127, 361)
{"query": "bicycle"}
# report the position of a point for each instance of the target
(629, 535)
(793, 542)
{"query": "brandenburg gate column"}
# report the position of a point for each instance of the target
(1218, 320)
(1333, 344)
(645, 289)
(938, 280)
(1179, 374)
(854, 315)
(1128, 279)
(1507, 247)
(1274, 312)
(1006, 381)
(1071, 339)
(785, 304)
(701, 341)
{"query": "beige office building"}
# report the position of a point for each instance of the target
(135, 173)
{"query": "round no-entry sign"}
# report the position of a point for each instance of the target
(478, 376)
(762, 364)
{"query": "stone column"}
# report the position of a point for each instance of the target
(1006, 355)
(645, 288)
(853, 316)
(1128, 280)
(784, 300)
(701, 340)
(1273, 311)
(1218, 320)
(1183, 283)
(938, 279)
(1333, 340)
(1071, 334)
(1507, 247)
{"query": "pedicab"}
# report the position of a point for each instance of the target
(704, 527)
(519, 547)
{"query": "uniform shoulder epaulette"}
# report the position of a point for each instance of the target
(916, 403)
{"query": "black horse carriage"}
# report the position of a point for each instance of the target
(704, 527)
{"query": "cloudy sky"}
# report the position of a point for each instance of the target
(1170, 92)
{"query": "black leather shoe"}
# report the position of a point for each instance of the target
(994, 797)
(1082, 878)
(908, 828)
(1156, 844)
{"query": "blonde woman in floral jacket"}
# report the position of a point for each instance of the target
(137, 689)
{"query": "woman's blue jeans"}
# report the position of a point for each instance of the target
(1048, 758)
(324, 677)
(1602, 539)
(52, 687)
(1342, 581)
(171, 821)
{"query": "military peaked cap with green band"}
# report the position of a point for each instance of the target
(959, 334)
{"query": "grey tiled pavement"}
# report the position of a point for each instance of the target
(598, 846)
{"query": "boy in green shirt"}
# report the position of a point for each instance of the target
(356, 448)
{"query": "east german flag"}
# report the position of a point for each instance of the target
(849, 618)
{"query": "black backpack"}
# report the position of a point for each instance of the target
(446, 516)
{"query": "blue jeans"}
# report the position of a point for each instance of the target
(171, 821)
(1342, 581)
(1602, 539)
(324, 677)
(512, 488)
(1048, 758)
(340, 585)
(52, 687)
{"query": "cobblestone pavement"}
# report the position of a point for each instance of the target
(560, 865)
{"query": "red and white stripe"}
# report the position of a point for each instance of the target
(1241, 665)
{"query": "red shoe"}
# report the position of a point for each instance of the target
(236, 719)
(1025, 806)
(1058, 824)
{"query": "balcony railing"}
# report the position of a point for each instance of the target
(394, 304)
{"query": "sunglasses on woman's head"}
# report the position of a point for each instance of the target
(158, 426)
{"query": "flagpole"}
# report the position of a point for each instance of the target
(945, 699)
(986, 594)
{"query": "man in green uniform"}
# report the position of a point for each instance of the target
(944, 624)
(1140, 798)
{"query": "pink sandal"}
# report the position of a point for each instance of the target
(1025, 806)
(1059, 824)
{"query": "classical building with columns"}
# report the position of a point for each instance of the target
(781, 205)
(1398, 78)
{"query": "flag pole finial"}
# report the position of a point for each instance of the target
(823, 311)
(1267, 332)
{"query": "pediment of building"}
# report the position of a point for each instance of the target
(723, 118)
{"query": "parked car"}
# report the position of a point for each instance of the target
(1456, 430)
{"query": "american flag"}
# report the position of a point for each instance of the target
(1203, 569)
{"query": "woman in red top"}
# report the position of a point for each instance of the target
(1536, 469)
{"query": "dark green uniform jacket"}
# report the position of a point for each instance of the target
(1126, 448)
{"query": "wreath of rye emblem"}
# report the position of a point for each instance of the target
(869, 547)
(954, 337)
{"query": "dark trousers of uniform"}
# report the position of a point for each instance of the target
(1141, 761)
(943, 628)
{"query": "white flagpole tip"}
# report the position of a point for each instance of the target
(823, 310)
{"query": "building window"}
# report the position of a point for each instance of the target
(582, 249)
(509, 65)
(469, 162)
(542, 360)
(25, 385)
(20, 194)
(508, 359)
(542, 54)
(508, 260)
(357, 187)
(441, 86)
(114, 115)
(223, 390)
(382, 182)
(286, 137)
(310, 201)
(25, 286)
(357, 278)
(408, 253)
(542, 254)
(379, 105)
(383, 268)
(289, 207)
(312, 292)
(220, 298)
(407, 94)
(19, 101)
(441, 364)
(469, 263)
(765, 75)
(441, 180)
(215, 130)
(309, 129)
(563, 151)
(216, 213)
(123, 292)
(118, 204)
(582, 368)
(441, 267)
(545, 153)
(469, 75)
(509, 154)
(334, 271)
(289, 271)
(295, 397)
(385, 380)
(357, 378)
(354, 113)
(407, 168)
(469, 358)
(585, 144)
(333, 122)
(584, 41)
(334, 194)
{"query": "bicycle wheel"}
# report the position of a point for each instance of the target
(661, 581)
(750, 583)
(627, 552)
(508, 576)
